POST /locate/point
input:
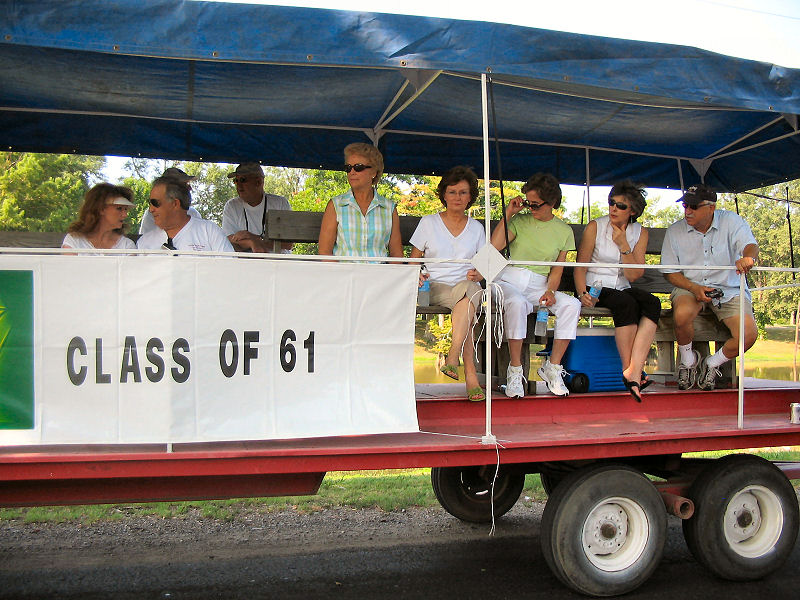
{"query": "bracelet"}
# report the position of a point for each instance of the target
(626, 253)
(582, 294)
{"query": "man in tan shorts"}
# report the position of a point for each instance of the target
(710, 237)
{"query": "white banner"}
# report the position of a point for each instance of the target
(134, 349)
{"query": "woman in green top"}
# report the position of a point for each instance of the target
(536, 235)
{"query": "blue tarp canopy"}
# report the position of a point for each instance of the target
(223, 82)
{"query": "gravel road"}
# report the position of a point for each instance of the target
(335, 553)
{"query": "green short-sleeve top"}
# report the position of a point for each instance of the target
(539, 240)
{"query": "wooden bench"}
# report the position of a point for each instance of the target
(303, 227)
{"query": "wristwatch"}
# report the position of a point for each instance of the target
(626, 253)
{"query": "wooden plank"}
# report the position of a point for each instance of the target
(303, 226)
(31, 239)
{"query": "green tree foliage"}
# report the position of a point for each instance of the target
(42, 192)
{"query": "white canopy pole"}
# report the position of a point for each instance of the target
(588, 187)
(740, 419)
(489, 438)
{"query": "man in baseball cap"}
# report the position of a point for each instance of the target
(711, 237)
(244, 218)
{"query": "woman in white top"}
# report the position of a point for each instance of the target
(452, 234)
(101, 220)
(617, 238)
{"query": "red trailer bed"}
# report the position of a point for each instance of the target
(535, 429)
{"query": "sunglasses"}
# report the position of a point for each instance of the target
(242, 179)
(533, 206)
(154, 202)
(619, 205)
(696, 206)
(168, 245)
(358, 167)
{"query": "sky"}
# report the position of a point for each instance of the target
(764, 30)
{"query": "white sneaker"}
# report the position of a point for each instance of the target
(553, 376)
(514, 379)
(707, 375)
(687, 376)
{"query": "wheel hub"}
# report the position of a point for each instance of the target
(743, 517)
(606, 529)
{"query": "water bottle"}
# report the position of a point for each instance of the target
(541, 321)
(596, 288)
(424, 293)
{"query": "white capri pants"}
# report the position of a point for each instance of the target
(522, 289)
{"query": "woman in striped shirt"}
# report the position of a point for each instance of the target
(361, 222)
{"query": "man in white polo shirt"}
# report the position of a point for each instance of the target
(244, 218)
(707, 236)
(170, 197)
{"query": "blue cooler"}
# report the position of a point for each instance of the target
(592, 361)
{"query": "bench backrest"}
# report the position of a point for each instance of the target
(298, 226)
(303, 226)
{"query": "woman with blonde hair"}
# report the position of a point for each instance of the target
(101, 220)
(361, 222)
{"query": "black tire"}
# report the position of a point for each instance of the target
(464, 492)
(549, 482)
(745, 521)
(578, 383)
(603, 530)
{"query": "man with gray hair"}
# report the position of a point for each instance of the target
(244, 218)
(710, 237)
(170, 197)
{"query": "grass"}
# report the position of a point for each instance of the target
(385, 490)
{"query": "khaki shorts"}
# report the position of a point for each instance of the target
(446, 295)
(723, 311)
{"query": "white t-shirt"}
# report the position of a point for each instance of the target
(76, 240)
(198, 235)
(434, 240)
(238, 215)
(148, 224)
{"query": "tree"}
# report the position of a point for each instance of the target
(42, 192)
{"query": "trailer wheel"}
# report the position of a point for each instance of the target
(464, 492)
(746, 517)
(603, 530)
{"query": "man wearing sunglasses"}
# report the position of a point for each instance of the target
(170, 197)
(710, 237)
(244, 218)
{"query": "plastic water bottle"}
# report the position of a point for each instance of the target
(424, 293)
(540, 330)
(596, 288)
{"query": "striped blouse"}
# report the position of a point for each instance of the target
(359, 234)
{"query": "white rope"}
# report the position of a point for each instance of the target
(497, 324)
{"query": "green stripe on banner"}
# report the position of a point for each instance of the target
(16, 349)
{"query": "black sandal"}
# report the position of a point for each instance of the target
(630, 385)
(646, 382)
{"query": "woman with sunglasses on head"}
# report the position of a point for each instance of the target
(361, 222)
(452, 234)
(536, 236)
(101, 220)
(617, 238)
